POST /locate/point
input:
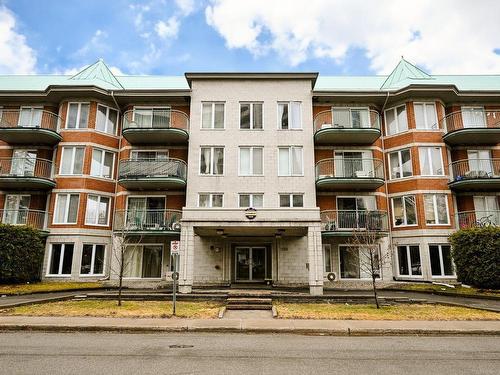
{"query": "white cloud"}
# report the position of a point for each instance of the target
(16, 56)
(185, 6)
(445, 37)
(168, 29)
(96, 46)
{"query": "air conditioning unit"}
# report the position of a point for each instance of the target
(176, 226)
(331, 276)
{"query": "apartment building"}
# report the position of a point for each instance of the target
(264, 178)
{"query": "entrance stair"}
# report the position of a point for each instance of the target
(249, 300)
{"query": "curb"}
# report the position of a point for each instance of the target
(447, 294)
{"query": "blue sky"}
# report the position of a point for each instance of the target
(171, 37)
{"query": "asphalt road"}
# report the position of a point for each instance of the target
(185, 353)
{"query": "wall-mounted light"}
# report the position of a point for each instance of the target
(220, 232)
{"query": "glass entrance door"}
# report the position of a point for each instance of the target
(250, 263)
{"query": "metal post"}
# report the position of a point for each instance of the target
(174, 277)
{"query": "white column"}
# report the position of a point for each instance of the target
(186, 259)
(315, 259)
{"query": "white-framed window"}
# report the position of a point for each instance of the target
(151, 117)
(431, 161)
(251, 116)
(425, 116)
(213, 114)
(480, 162)
(346, 117)
(97, 212)
(255, 200)
(436, 209)
(77, 116)
(289, 115)
(441, 261)
(106, 119)
(72, 160)
(409, 262)
(486, 208)
(396, 120)
(92, 263)
(290, 161)
(404, 210)
(210, 200)
(16, 210)
(143, 261)
(354, 262)
(30, 117)
(291, 200)
(66, 208)
(149, 155)
(60, 259)
(251, 161)
(327, 257)
(211, 160)
(102, 163)
(400, 164)
(473, 117)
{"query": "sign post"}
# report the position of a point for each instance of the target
(174, 253)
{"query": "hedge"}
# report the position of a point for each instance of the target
(21, 254)
(476, 253)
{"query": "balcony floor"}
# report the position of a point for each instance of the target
(336, 136)
(342, 184)
(26, 183)
(476, 184)
(156, 136)
(31, 136)
(473, 136)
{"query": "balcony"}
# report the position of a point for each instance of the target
(346, 126)
(475, 174)
(155, 127)
(152, 174)
(29, 127)
(340, 174)
(161, 222)
(26, 174)
(477, 219)
(471, 127)
(344, 222)
(32, 218)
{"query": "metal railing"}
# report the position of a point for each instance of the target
(474, 169)
(349, 168)
(14, 118)
(32, 218)
(473, 219)
(26, 167)
(132, 168)
(470, 120)
(155, 119)
(345, 119)
(147, 220)
(345, 220)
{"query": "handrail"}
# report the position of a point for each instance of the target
(32, 218)
(476, 119)
(12, 118)
(467, 169)
(349, 168)
(473, 219)
(155, 119)
(26, 167)
(147, 220)
(134, 168)
(327, 119)
(342, 220)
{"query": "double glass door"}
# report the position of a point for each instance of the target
(250, 263)
(23, 163)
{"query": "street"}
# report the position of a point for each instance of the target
(195, 353)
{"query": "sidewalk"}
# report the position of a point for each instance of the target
(327, 327)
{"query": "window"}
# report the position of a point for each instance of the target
(149, 155)
(212, 160)
(289, 115)
(152, 117)
(400, 164)
(251, 200)
(355, 262)
(441, 263)
(353, 164)
(290, 161)
(404, 210)
(61, 259)
(425, 116)
(106, 120)
(409, 263)
(251, 161)
(351, 117)
(30, 117)
(291, 200)
(143, 261)
(251, 116)
(66, 211)
(102, 163)
(146, 212)
(431, 161)
(480, 163)
(327, 257)
(78, 116)
(486, 209)
(473, 117)
(16, 210)
(97, 210)
(210, 200)
(396, 120)
(72, 160)
(92, 260)
(436, 209)
(212, 116)
(357, 212)
(23, 163)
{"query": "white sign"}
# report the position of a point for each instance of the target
(174, 247)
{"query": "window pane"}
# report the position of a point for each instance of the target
(284, 200)
(429, 209)
(103, 211)
(61, 208)
(84, 116)
(395, 167)
(217, 200)
(390, 121)
(431, 116)
(112, 121)
(78, 163)
(91, 214)
(402, 119)
(66, 162)
(283, 115)
(99, 259)
(67, 259)
(108, 165)
(298, 200)
(416, 265)
(257, 116)
(447, 261)
(327, 258)
(257, 161)
(73, 208)
(101, 118)
(72, 113)
(257, 200)
(425, 165)
(284, 166)
(204, 200)
(132, 262)
(296, 122)
(297, 160)
(151, 261)
(218, 167)
(95, 168)
(406, 159)
(205, 161)
(55, 258)
(419, 116)
(349, 263)
(442, 209)
(244, 200)
(206, 116)
(244, 116)
(245, 161)
(341, 118)
(437, 167)
(143, 117)
(435, 260)
(403, 261)
(86, 259)
(219, 116)
(398, 211)
(411, 214)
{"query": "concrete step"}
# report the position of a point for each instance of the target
(251, 301)
(249, 307)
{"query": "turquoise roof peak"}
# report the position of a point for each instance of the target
(404, 71)
(98, 71)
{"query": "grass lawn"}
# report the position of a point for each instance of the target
(459, 290)
(370, 312)
(14, 289)
(129, 309)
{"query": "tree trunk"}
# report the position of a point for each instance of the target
(375, 292)
(120, 283)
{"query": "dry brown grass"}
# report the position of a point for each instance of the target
(14, 289)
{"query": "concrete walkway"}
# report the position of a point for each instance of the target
(328, 327)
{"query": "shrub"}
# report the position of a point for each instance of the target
(476, 253)
(21, 254)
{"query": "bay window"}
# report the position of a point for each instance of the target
(72, 160)
(404, 210)
(77, 116)
(425, 116)
(396, 120)
(431, 161)
(436, 209)
(106, 119)
(66, 208)
(97, 212)
(400, 164)
(102, 163)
